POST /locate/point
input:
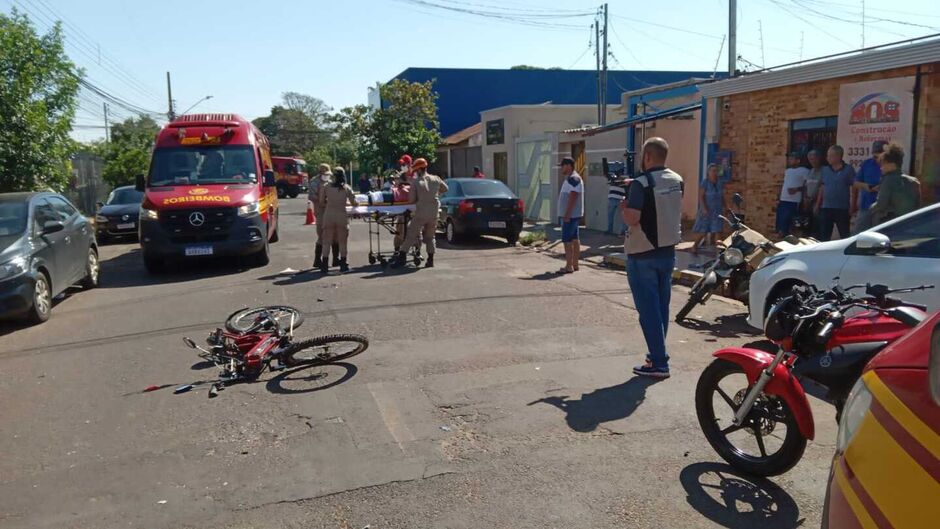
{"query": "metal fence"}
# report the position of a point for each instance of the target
(86, 187)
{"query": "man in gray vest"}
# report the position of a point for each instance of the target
(653, 212)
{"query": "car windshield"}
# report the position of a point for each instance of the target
(125, 195)
(485, 188)
(13, 215)
(203, 165)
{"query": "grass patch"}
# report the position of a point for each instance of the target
(532, 238)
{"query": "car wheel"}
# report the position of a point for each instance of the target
(42, 299)
(263, 256)
(102, 239)
(153, 265)
(450, 232)
(512, 238)
(92, 270)
(276, 235)
(781, 290)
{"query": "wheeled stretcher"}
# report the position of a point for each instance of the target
(390, 219)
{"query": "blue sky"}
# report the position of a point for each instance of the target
(246, 53)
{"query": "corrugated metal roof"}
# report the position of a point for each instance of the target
(863, 62)
(463, 93)
(636, 120)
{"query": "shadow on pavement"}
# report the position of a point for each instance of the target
(474, 243)
(544, 276)
(127, 270)
(738, 501)
(601, 405)
(311, 378)
(733, 326)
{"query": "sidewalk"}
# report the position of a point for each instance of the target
(601, 249)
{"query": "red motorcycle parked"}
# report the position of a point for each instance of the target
(751, 405)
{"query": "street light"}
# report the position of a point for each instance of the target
(196, 103)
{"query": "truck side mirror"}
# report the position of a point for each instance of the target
(139, 183)
(269, 180)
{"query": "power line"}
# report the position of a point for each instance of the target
(863, 20)
(523, 19)
(785, 8)
(589, 46)
(625, 47)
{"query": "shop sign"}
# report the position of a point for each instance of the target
(872, 111)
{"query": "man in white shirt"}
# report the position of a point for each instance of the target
(791, 194)
(570, 209)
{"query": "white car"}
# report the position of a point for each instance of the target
(904, 252)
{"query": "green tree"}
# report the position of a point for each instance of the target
(298, 125)
(406, 123)
(38, 91)
(128, 153)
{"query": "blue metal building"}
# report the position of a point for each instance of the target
(465, 92)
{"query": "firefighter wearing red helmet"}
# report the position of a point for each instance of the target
(425, 189)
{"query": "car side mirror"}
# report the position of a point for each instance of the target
(933, 370)
(872, 243)
(269, 180)
(99, 205)
(52, 226)
(139, 183)
(737, 199)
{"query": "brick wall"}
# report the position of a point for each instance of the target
(756, 127)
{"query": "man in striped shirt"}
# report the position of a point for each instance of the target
(615, 195)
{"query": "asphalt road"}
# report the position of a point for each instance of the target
(493, 394)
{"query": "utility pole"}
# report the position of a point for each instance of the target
(597, 55)
(604, 74)
(863, 23)
(760, 29)
(732, 37)
(169, 96)
(107, 129)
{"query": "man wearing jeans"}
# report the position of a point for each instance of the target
(615, 195)
(834, 197)
(570, 209)
(653, 211)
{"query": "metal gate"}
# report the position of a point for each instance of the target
(533, 176)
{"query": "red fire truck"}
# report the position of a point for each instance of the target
(291, 176)
(210, 191)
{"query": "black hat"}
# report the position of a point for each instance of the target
(567, 160)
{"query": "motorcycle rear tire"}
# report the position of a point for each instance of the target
(785, 458)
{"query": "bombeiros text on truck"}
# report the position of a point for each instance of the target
(211, 191)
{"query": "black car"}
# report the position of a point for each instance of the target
(478, 206)
(46, 246)
(118, 216)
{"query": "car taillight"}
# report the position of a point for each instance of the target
(465, 207)
(520, 205)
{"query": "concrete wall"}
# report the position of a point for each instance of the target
(531, 120)
(756, 127)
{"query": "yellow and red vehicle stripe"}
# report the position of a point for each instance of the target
(889, 475)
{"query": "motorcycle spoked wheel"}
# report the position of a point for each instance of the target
(767, 444)
(698, 295)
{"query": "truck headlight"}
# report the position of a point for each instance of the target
(249, 209)
(12, 268)
(856, 407)
(733, 257)
(101, 219)
(148, 214)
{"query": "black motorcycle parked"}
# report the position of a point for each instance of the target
(740, 256)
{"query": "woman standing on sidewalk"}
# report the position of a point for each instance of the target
(711, 203)
(333, 199)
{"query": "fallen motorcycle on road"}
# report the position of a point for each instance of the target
(752, 406)
(259, 339)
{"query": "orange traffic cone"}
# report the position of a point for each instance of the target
(311, 216)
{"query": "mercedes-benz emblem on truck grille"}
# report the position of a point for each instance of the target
(196, 218)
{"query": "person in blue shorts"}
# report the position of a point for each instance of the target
(570, 211)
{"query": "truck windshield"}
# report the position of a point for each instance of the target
(203, 165)
(301, 168)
